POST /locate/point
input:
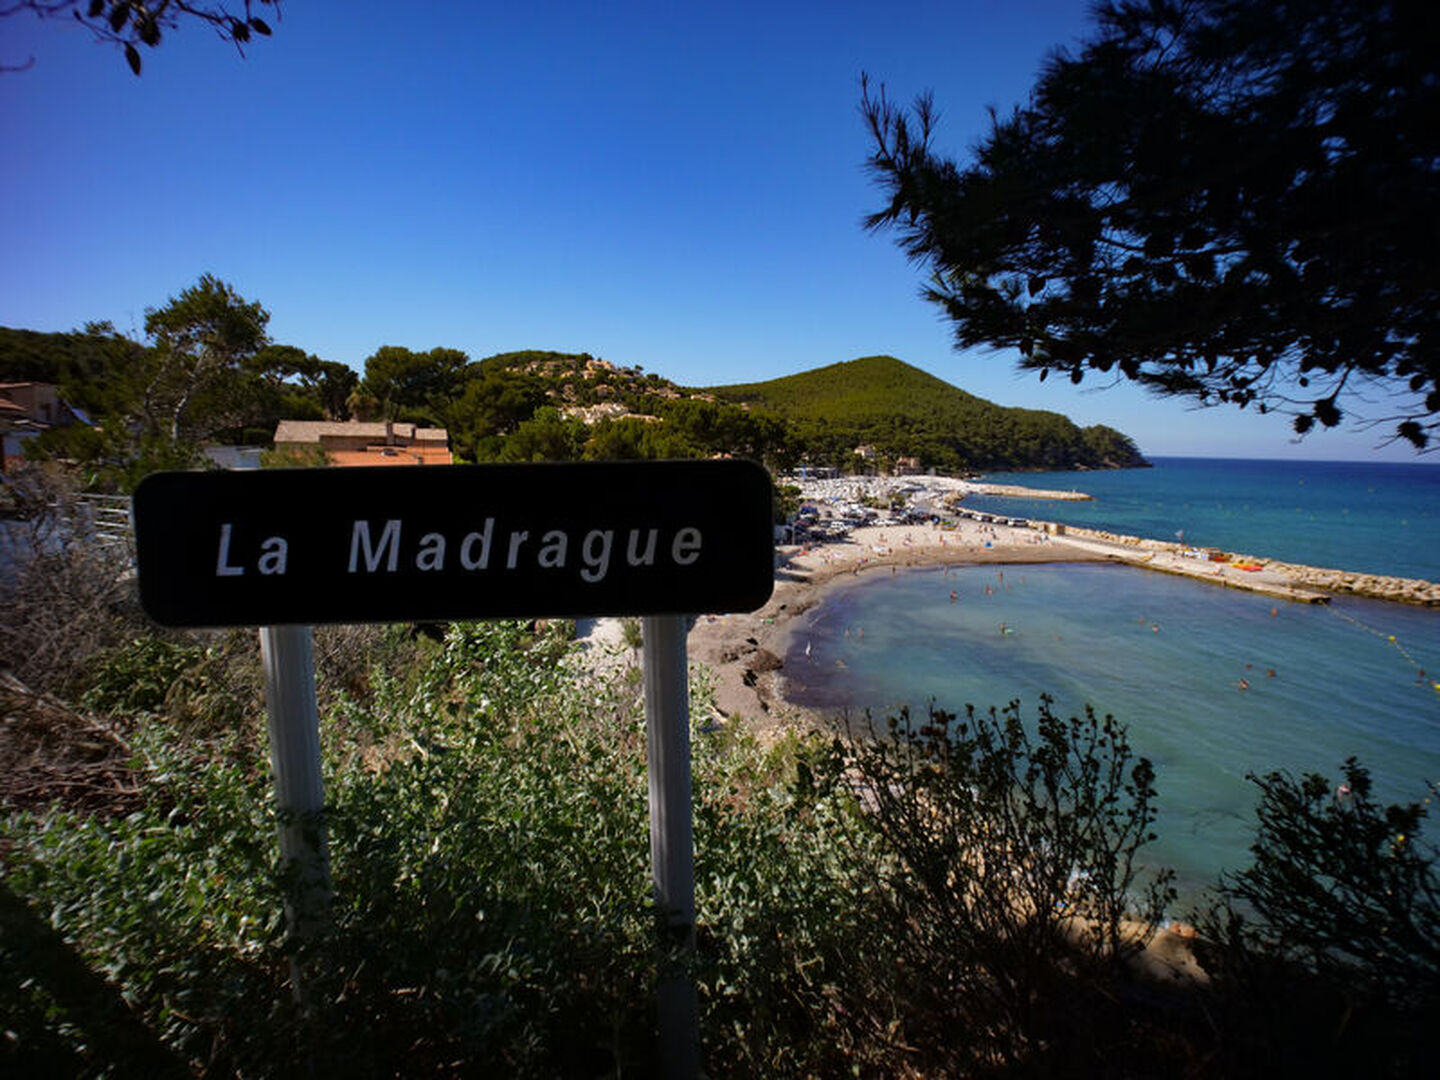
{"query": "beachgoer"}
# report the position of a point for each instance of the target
(953, 596)
(1244, 684)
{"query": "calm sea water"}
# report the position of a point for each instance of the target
(1378, 518)
(1166, 655)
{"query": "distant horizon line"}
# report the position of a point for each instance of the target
(1432, 460)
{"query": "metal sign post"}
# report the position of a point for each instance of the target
(287, 656)
(672, 842)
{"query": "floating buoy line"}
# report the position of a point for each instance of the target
(1391, 638)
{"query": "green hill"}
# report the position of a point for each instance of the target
(901, 411)
(534, 405)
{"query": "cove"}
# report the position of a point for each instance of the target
(1165, 656)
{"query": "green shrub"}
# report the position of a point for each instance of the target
(955, 896)
(782, 913)
(137, 676)
(1011, 886)
(1326, 950)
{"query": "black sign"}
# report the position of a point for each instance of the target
(408, 543)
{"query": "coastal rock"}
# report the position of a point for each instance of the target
(765, 660)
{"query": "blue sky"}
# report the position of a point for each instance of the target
(678, 186)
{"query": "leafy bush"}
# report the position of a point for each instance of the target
(1326, 950)
(1009, 869)
(783, 914)
(173, 906)
(488, 837)
(955, 896)
(137, 676)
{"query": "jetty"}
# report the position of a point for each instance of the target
(944, 498)
(1253, 573)
(1014, 491)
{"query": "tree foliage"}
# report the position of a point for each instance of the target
(491, 405)
(545, 436)
(202, 337)
(1342, 883)
(209, 374)
(95, 368)
(213, 374)
(132, 24)
(414, 385)
(1227, 201)
(298, 376)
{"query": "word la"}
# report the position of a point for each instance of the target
(274, 552)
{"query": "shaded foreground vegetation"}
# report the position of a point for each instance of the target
(942, 896)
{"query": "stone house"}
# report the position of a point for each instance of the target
(354, 442)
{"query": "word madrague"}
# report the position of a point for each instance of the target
(382, 549)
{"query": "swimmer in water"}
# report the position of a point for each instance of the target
(1244, 684)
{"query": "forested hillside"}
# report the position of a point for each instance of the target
(901, 411)
(208, 372)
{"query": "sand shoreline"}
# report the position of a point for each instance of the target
(745, 652)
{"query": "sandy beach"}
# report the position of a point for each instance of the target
(745, 652)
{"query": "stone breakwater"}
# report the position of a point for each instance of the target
(1273, 572)
(1290, 581)
(1374, 586)
(974, 487)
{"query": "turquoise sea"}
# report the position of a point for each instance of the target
(1380, 518)
(1212, 683)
